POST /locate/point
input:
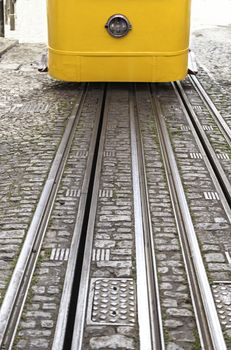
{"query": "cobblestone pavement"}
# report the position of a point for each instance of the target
(33, 111)
(36, 331)
(209, 216)
(111, 321)
(213, 50)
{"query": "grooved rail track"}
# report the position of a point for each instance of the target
(137, 270)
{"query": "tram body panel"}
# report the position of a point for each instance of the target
(155, 49)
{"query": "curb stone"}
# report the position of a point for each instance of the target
(6, 44)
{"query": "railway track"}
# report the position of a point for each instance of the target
(133, 197)
(207, 320)
(211, 148)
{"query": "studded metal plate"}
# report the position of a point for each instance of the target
(111, 301)
(30, 107)
(222, 296)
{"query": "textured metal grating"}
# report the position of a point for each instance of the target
(207, 127)
(82, 154)
(197, 108)
(59, 254)
(223, 156)
(105, 193)
(101, 254)
(73, 192)
(211, 196)
(222, 296)
(196, 155)
(30, 108)
(112, 302)
(184, 128)
(109, 154)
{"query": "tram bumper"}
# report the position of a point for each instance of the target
(118, 68)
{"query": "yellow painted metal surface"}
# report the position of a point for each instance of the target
(81, 49)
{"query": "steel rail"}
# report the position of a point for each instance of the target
(145, 313)
(66, 299)
(208, 148)
(16, 293)
(155, 314)
(211, 333)
(79, 321)
(221, 123)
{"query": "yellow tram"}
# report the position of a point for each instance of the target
(122, 40)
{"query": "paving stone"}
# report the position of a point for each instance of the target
(105, 244)
(50, 306)
(182, 337)
(172, 324)
(39, 343)
(33, 307)
(215, 257)
(113, 218)
(9, 66)
(112, 342)
(123, 272)
(163, 270)
(179, 312)
(173, 346)
(171, 303)
(52, 290)
(30, 324)
(126, 330)
(47, 324)
(211, 247)
(219, 267)
(115, 264)
(22, 344)
(35, 332)
(166, 286)
(39, 313)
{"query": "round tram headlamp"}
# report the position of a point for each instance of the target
(118, 26)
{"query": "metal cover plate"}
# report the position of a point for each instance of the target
(111, 302)
(222, 296)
